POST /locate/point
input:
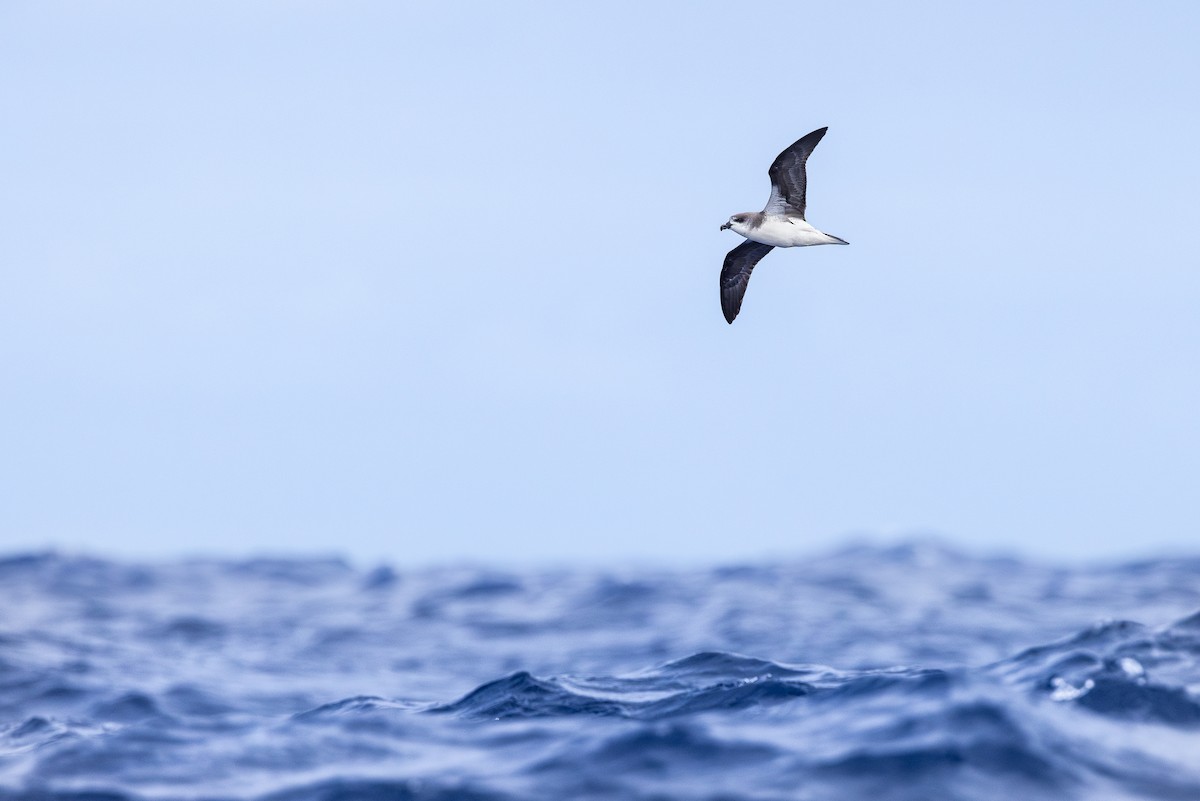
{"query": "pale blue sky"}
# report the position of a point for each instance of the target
(433, 280)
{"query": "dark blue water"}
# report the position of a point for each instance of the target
(912, 672)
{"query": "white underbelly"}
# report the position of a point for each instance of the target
(783, 232)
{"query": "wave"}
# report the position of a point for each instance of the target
(364, 790)
(912, 672)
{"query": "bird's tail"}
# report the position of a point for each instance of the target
(837, 240)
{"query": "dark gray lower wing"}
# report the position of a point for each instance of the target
(735, 274)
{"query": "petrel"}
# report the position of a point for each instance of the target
(780, 225)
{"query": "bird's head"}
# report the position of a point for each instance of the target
(740, 223)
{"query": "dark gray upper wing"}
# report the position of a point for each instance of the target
(735, 274)
(788, 180)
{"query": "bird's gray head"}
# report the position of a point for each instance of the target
(740, 223)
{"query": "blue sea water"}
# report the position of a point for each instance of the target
(907, 672)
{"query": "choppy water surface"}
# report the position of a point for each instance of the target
(902, 673)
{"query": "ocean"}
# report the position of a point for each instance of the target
(912, 671)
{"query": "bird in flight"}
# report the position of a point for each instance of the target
(780, 225)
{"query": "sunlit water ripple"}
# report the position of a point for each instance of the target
(911, 672)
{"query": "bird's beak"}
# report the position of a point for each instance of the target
(723, 227)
